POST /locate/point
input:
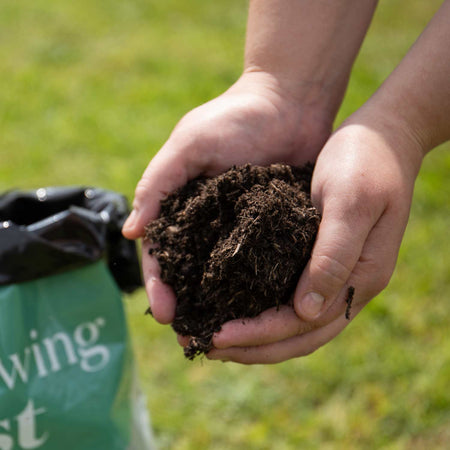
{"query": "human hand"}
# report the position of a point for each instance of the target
(363, 184)
(255, 121)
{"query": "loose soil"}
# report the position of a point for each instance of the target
(233, 246)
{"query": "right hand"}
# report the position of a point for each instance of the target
(363, 184)
(253, 122)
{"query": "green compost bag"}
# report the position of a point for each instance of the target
(67, 378)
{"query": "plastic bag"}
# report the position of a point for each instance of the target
(67, 377)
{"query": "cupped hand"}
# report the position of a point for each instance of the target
(255, 121)
(363, 184)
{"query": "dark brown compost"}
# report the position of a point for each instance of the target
(233, 246)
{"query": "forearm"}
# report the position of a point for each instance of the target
(416, 96)
(308, 46)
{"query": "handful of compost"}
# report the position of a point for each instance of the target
(233, 246)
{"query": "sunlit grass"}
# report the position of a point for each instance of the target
(91, 90)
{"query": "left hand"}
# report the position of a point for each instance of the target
(255, 121)
(363, 184)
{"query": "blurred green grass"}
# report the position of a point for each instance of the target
(91, 90)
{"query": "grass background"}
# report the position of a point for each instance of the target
(91, 90)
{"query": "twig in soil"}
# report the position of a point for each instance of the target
(349, 301)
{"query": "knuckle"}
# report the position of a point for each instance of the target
(140, 193)
(381, 281)
(364, 209)
(329, 270)
(375, 277)
(304, 327)
(358, 206)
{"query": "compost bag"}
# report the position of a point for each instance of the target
(67, 378)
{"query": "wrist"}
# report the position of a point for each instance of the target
(405, 107)
(306, 92)
(308, 47)
(307, 123)
(307, 101)
(416, 95)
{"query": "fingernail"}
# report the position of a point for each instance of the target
(311, 304)
(130, 221)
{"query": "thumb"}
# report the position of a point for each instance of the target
(339, 243)
(161, 177)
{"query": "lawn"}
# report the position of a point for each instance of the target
(91, 90)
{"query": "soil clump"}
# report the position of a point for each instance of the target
(233, 246)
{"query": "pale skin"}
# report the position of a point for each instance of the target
(297, 63)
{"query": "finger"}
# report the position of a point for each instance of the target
(183, 340)
(169, 169)
(161, 177)
(379, 255)
(161, 296)
(375, 265)
(293, 347)
(339, 243)
(270, 326)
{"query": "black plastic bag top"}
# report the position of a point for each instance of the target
(55, 229)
